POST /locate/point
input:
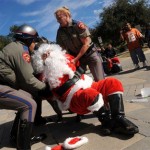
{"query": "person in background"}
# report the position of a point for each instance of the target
(74, 36)
(20, 90)
(109, 52)
(133, 37)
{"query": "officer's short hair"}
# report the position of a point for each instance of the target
(63, 9)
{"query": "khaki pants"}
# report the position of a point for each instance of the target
(18, 100)
(94, 62)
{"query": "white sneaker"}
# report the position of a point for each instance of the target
(144, 64)
(137, 66)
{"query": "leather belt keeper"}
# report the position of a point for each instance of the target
(62, 89)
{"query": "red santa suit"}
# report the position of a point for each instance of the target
(80, 98)
(112, 60)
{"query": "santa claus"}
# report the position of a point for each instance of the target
(79, 93)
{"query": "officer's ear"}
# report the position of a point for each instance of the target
(31, 47)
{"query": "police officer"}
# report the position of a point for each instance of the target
(19, 87)
(74, 36)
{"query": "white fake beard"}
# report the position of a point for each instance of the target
(55, 64)
(37, 63)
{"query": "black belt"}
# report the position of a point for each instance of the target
(4, 83)
(89, 51)
(62, 89)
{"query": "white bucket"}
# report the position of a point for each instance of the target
(139, 100)
(145, 92)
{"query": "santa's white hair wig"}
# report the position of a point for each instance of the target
(54, 66)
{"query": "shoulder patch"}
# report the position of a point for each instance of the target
(81, 25)
(26, 57)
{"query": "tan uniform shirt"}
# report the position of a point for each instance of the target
(16, 69)
(69, 37)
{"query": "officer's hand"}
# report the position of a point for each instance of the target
(75, 61)
(46, 93)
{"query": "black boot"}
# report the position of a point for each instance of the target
(54, 105)
(122, 124)
(24, 135)
(14, 129)
(79, 118)
(107, 123)
(39, 120)
(24, 139)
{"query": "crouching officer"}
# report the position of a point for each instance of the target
(19, 87)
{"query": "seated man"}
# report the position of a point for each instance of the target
(79, 93)
(109, 52)
(113, 63)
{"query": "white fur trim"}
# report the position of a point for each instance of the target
(86, 83)
(82, 141)
(47, 147)
(118, 92)
(97, 105)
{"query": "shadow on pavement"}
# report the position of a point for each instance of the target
(4, 135)
(58, 132)
(127, 71)
(133, 70)
(147, 68)
(61, 131)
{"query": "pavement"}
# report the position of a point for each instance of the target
(137, 110)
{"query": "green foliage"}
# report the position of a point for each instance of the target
(4, 40)
(113, 17)
(12, 29)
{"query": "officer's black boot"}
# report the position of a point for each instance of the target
(13, 132)
(79, 118)
(122, 125)
(39, 120)
(54, 105)
(24, 135)
(107, 123)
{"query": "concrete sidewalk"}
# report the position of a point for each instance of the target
(138, 112)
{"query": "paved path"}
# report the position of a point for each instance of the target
(139, 112)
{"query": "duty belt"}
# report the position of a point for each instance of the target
(62, 89)
(89, 51)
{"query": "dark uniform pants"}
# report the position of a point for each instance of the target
(137, 55)
(18, 100)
